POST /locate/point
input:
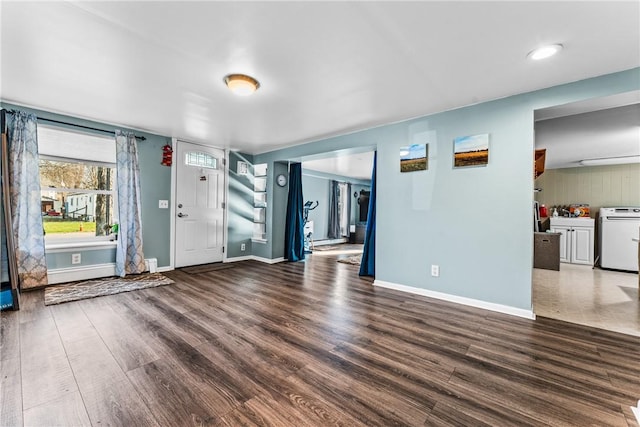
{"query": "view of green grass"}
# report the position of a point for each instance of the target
(57, 226)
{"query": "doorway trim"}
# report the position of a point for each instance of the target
(225, 213)
(173, 208)
(172, 205)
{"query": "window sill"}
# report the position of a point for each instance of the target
(87, 246)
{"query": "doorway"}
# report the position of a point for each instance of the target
(350, 171)
(588, 146)
(199, 198)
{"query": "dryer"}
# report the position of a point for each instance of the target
(619, 235)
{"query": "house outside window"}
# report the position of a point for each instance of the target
(78, 182)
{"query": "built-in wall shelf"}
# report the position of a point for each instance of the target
(259, 203)
(538, 162)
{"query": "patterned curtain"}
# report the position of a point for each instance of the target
(129, 255)
(26, 211)
(334, 216)
(348, 201)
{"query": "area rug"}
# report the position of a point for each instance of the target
(96, 288)
(205, 268)
(325, 248)
(353, 260)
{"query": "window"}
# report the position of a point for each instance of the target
(202, 160)
(260, 202)
(78, 181)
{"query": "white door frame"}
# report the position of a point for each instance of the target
(173, 209)
(172, 205)
(227, 165)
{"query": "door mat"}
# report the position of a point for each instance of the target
(58, 294)
(205, 268)
(353, 260)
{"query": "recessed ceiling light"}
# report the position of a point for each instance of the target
(545, 51)
(241, 84)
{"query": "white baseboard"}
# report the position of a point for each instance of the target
(97, 271)
(255, 258)
(163, 269)
(87, 272)
(239, 258)
(268, 260)
(513, 311)
(330, 241)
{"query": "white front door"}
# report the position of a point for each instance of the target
(199, 204)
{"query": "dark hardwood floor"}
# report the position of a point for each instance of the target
(304, 344)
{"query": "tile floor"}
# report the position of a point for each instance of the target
(579, 294)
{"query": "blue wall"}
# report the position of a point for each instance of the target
(273, 247)
(315, 188)
(240, 202)
(475, 223)
(89, 257)
(355, 207)
(278, 220)
(155, 182)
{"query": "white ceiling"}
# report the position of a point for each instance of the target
(325, 68)
(357, 166)
(611, 132)
(588, 105)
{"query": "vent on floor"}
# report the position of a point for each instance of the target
(151, 265)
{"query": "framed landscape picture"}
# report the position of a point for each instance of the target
(471, 150)
(414, 157)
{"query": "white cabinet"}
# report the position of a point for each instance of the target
(582, 245)
(565, 242)
(576, 239)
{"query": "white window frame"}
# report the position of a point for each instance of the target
(61, 242)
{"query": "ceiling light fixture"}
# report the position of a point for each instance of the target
(610, 161)
(544, 51)
(241, 84)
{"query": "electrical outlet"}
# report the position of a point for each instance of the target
(76, 258)
(435, 270)
(163, 204)
(242, 247)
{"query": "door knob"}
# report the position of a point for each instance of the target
(181, 215)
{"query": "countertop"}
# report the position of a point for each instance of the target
(572, 222)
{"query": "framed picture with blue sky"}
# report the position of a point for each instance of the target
(471, 150)
(414, 157)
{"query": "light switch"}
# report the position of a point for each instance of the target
(163, 204)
